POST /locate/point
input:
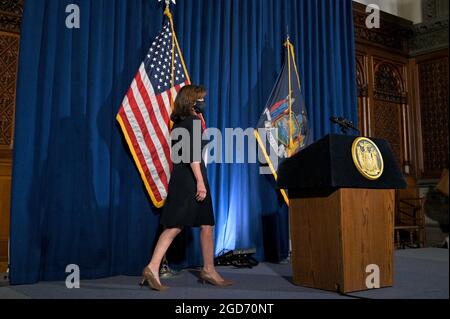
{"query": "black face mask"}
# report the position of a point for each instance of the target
(200, 107)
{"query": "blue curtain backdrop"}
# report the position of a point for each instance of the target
(77, 196)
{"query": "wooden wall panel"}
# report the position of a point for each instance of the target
(362, 80)
(387, 124)
(9, 53)
(384, 101)
(390, 100)
(432, 71)
(5, 193)
(10, 21)
(402, 77)
(402, 70)
(390, 106)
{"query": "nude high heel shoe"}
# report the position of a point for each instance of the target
(206, 278)
(150, 279)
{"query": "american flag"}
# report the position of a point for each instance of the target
(145, 112)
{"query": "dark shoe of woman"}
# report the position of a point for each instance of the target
(151, 280)
(206, 278)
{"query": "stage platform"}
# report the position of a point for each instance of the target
(419, 274)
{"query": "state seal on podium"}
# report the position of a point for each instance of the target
(367, 158)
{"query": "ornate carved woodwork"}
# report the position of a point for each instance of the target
(389, 83)
(11, 15)
(361, 76)
(394, 33)
(363, 93)
(9, 52)
(384, 91)
(433, 87)
(387, 124)
(429, 47)
(390, 95)
(10, 20)
(12, 6)
(432, 9)
(429, 37)
(406, 101)
(383, 101)
(402, 93)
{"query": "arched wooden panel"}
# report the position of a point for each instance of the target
(389, 84)
(390, 108)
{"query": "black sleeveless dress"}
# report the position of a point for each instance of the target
(181, 208)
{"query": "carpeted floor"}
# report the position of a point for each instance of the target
(419, 274)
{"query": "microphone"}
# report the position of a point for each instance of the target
(337, 120)
(343, 123)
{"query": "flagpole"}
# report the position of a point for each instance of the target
(290, 129)
(168, 14)
(291, 142)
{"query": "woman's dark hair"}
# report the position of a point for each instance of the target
(185, 101)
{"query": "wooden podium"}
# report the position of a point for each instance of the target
(341, 223)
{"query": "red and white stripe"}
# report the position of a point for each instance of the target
(146, 120)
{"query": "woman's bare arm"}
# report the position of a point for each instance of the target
(201, 188)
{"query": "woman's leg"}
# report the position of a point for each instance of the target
(207, 242)
(164, 242)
